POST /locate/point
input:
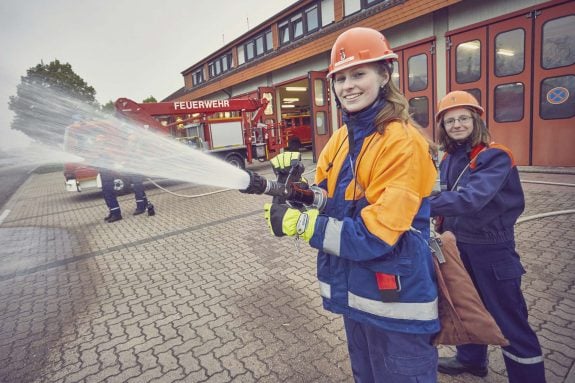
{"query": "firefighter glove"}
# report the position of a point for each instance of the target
(284, 220)
(284, 160)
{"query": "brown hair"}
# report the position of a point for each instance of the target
(479, 135)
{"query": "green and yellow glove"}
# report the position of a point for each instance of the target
(283, 160)
(284, 220)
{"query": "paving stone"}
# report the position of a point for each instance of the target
(202, 293)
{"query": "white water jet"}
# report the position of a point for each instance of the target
(103, 141)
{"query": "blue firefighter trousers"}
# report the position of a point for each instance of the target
(496, 272)
(109, 192)
(139, 191)
(379, 356)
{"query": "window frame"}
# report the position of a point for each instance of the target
(217, 68)
(252, 43)
(290, 23)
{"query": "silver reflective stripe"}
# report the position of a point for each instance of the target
(396, 310)
(114, 208)
(332, 236)
(325, 289)
(534, 360)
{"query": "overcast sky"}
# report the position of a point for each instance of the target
(122, 48)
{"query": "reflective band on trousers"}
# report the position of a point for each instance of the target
(332, 236)
(395, 310)
(533, 360)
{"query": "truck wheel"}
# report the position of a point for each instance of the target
(294, 144)
(236, 160)
(121, 186)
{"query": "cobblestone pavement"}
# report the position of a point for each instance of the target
(202, 292)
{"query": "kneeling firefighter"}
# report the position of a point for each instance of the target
(372, 230)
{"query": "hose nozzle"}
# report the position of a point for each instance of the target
(294, 192)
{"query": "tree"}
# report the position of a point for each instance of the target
(47, 99)
(150, 99)
(109, 107)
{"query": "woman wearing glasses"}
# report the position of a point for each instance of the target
(480, 200)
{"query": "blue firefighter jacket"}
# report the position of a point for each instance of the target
(488, 198)
(377, 221)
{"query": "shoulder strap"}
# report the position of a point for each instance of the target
(471, 164)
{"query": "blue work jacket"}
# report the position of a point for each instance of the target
(486, 201)
(376, 222)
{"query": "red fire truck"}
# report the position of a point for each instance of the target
(229, 129)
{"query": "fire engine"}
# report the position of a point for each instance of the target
(229, 129)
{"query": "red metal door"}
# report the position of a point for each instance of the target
(320, 120)
(554, 86)
(509, 68)
(418, 83)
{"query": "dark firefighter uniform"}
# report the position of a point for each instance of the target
(482, 212)
(110, 197)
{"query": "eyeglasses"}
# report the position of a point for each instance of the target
(462, 120)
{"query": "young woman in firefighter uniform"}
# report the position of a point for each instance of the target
(480, 200)
(374, 265)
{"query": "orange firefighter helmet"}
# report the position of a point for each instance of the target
(358, 46)
(457, 99)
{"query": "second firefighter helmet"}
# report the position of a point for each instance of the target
(358, 46)
(457, 99)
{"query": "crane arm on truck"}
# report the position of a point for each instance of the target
(233, 132)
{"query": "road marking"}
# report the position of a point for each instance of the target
(4, 215)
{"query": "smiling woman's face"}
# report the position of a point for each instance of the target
(458, 123)
(358, 87)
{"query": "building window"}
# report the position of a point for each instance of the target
(269, 40)
(395, 75)
(301, 23)
(509, 102)
(417, 72)
(419, 109)
(475, 93)
(468, 61)
(257, 46)
(558, 43)
(284, 32)
(220, 65)
(241, 55)
(198, 77)
(557, 99)
(327, 12)
(351, 7)
(297, 26)
(354, 6)
(510, 53)
(312, 19)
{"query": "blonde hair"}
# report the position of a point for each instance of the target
(396, 106)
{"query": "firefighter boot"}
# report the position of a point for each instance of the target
(114, 217)
(140, 207)
(151, 210)
(451, 366)
(114, 214)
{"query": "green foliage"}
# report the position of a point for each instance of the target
(109, 107)
(150, 99)
(30, 100)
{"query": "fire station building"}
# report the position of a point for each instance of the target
(516, 56)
